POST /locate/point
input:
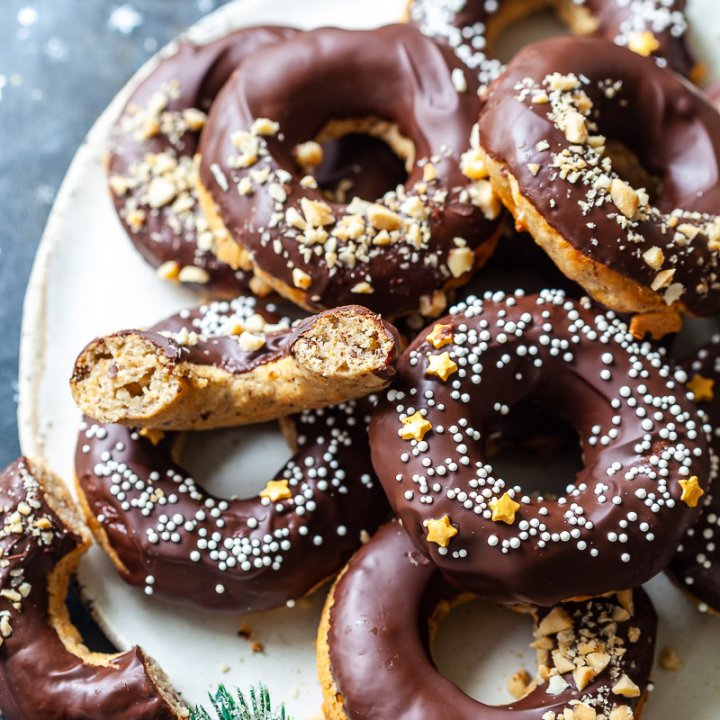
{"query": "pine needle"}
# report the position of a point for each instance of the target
(256, 707)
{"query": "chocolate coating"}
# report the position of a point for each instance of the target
(619, 520)
(463, 26)
(696, 565)
(237, 555)
(40, 679)
(156, 124)
(332, 74)
(381, 663)
(668, 124)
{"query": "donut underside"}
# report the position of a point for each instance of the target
(614, 290)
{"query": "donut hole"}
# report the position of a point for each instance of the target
(480, 646)
(627, 164)
(534, 443)
(92, 636)
(234, 462)
(356, 157)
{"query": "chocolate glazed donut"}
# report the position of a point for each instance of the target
(374, 647)
(397, 254)
(46, 673)
(168, 535)
(150, 159)
(654, 28)
(612, 164)
(696, 565)
(644, 450)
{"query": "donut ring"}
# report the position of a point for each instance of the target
(233, 363)
(397, 254)
(46, 673)
(696, 565)
(618, 522)
(543, 141)
(657, 28)
(363, 632)
(166, 534)
(150, 160)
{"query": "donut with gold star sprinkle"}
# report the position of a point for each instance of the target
(645, 461)
(696, 565)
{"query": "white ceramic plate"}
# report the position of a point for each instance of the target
(88, 281)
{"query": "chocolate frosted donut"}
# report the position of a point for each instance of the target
(46, 673)
(150, 159)
(594, 657)
(168, 535)
(696, 565)
(616, 524)
(396, 254)
(612, 164)
(233, 363)
(654, 28)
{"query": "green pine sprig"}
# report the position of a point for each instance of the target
(256, 707)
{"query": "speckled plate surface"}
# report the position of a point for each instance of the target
(88, 280)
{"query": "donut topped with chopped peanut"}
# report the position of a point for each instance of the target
(395, 254)
(611, 163)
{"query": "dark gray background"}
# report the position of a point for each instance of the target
(61, 62)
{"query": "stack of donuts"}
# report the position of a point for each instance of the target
(334, 197)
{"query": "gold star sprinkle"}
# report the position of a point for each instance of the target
(440, 335)
(414, 427)
(691, 491)
(440, 531)
(643, 43)
(276, 490)
(154, 436)
(701, 387)
(441, 366)
(504, 509)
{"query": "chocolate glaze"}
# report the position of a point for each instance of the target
(197, 73)
(298, 542)
(667, 123)
(619, 520)
(381, 663)
(224, 351)
(331, 74)
(40, 679)
(696, 565)
(464, 27)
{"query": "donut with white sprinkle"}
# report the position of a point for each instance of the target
(165, 533)
(696, 565)
(644, 445)
(611, 163)
(395, 254)
(594, 657)
(656, 28)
